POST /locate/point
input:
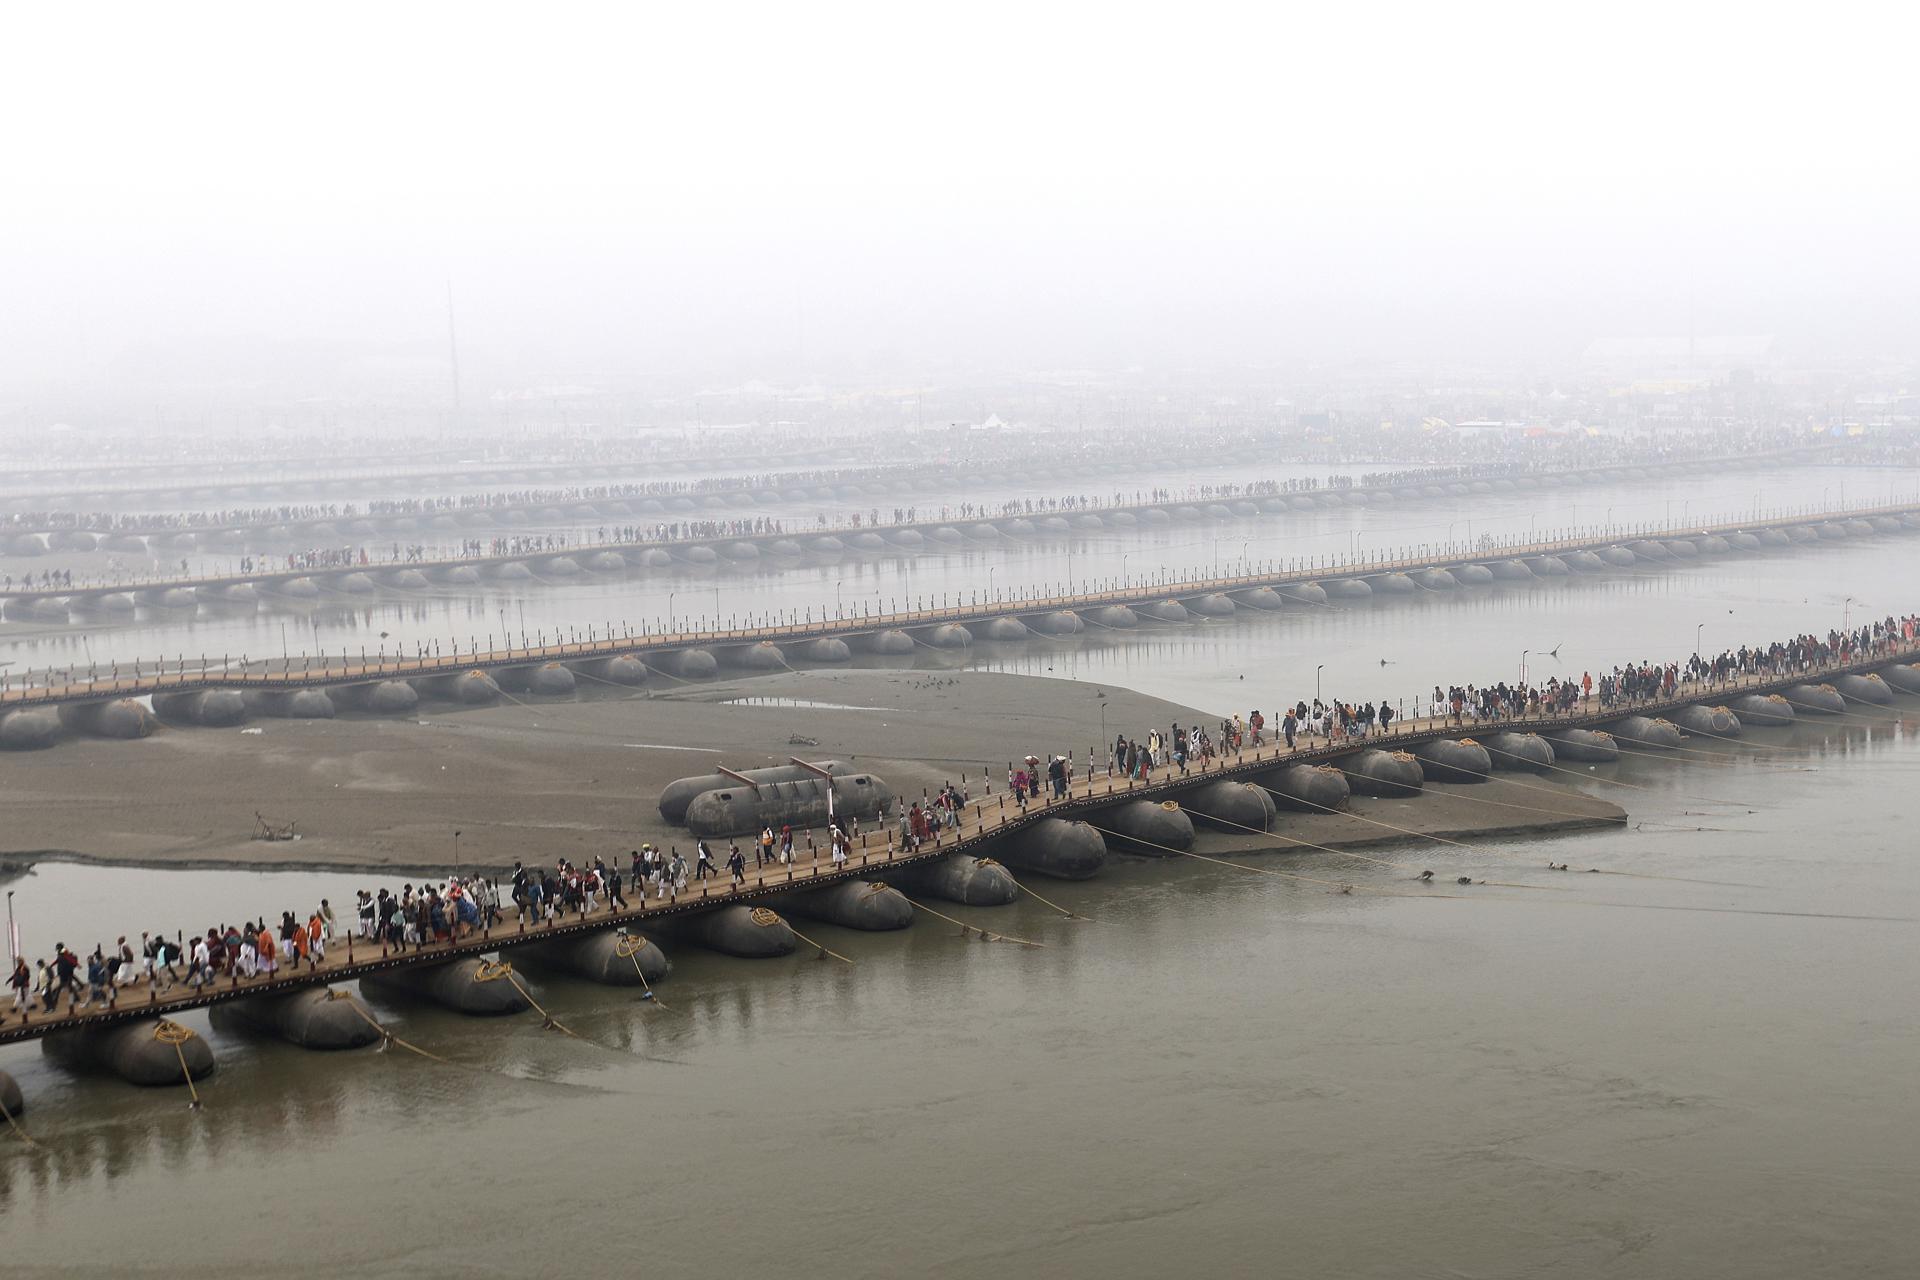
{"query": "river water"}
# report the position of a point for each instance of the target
(687, 595)
(1696, 1064)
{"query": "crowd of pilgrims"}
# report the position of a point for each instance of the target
(267, 517)
(420, 915)
(1513, 452)
(1646, 681)
(50, 579)
(237, 517)
(1333, 720)
(462, 906)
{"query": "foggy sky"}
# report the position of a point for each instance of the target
(782, 189)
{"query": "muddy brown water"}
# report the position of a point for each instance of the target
(1705, 1074)
(1700, 1066)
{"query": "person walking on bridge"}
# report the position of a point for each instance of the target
(65, 966)
(737, 866)
(703, 864)
(677, 871)
(269, 953)
(96, 978)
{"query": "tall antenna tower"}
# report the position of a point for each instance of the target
(453, 354)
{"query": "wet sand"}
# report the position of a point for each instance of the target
(578, 778)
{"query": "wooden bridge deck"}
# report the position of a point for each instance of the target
(985, 820)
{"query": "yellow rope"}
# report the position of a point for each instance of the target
(629, 947)
(547, 1020)
(965, 927)
(15, 1126)
(1717, 759)
(1611, 782)
(1743, 740)
(1071, 915)
(1508, 804)
(804, 938)
(169, 1032)
(1638, 875)
(386, 1035)
(493, 971)
(490, 971)
(630, 688)
(1339, 885)
(1361, 857)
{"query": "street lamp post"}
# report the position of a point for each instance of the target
(1316, 681)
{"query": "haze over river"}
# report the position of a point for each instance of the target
(693, 595)
(1700, 1066)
